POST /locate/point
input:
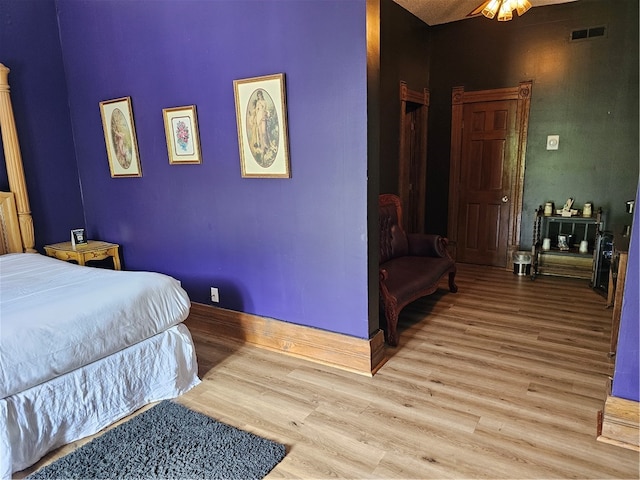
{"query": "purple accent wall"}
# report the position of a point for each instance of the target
(30, 48)
(291, 249)
(627, 374)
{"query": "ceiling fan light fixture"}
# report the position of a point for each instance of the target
(505, 14)
(491, 8)
(502, 8)
(522, 6)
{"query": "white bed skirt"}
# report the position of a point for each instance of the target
(84, 401)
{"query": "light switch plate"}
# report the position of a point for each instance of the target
(552, 142)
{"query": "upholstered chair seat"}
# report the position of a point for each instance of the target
(411, 265)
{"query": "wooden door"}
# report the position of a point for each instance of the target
(412, 163)
(487, 170)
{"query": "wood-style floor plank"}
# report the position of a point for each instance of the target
(501, 380)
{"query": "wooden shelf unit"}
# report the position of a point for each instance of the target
(565, 263)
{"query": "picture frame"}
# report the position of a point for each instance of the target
(181, 131)
(78, 237)
(261, 118)
(120, 137)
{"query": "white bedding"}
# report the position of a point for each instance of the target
(56, 316)
(84, 401)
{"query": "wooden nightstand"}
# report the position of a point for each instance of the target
(93, 250)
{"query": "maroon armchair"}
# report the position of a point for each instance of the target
(411, 265)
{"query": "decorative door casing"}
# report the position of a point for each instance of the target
(412, 164)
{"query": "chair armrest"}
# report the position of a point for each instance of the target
(383, 275)
(427, 245)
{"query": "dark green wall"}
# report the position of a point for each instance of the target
(586, 92)
(404, 46)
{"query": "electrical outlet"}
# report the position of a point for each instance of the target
(214, 295)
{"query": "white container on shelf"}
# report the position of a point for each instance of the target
(584, 246)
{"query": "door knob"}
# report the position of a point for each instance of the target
(505, 199)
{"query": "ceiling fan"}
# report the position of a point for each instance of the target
(504, 9)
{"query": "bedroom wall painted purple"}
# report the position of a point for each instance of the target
(39, 98)
(291, 249)
(626, 376)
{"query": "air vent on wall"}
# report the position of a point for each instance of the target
(587, 33)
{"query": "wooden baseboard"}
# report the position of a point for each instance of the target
(619, 423)
(362, 356)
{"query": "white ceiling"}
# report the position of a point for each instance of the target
(435, 12)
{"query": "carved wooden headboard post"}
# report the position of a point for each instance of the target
(13, 160)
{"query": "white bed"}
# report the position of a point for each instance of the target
(80, 347)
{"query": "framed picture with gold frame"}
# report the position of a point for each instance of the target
(261, 117)
(120, 137)
(181, 130)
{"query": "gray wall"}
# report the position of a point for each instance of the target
(586, 92)
(404, 56)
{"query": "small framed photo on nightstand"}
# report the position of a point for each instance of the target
(78, 237)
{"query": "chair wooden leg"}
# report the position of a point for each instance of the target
(392, 328)
(453, 288)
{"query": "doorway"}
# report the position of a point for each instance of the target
(412, 174)
(488, 144)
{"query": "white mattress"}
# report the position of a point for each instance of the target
(84, 401)
(56, 316)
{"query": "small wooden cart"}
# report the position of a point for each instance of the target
(567, 261)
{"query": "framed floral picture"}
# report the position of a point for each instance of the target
(120, 137)
(261, 117)
(181, 130)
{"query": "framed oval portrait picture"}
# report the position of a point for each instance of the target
(261, 117)
(120, 137)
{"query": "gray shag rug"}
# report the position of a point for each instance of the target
(169, 441)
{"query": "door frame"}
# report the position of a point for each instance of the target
(404, 171)
(521, 93)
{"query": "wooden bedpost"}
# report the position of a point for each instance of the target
(13, 160)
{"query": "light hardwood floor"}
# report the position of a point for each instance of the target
(501, 380)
